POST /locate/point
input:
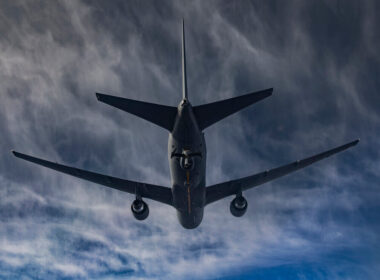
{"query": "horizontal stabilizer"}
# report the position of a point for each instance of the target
(211, 113)
(160, 115)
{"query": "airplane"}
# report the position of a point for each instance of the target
(187, 156)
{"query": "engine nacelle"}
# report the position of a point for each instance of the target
(238, 206)
(140, 209)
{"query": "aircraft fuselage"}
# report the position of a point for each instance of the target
(187, 161)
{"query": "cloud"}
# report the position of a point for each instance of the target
(322, 220)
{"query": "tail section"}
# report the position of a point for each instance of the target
(160, 115)
(164, 116)
(184, 81)
(211, 113)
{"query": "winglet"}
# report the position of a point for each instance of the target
(353, 143)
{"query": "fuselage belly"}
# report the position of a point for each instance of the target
(187, 161)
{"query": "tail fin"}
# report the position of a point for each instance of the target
(184, 81)
(211, 113)
(160, 115)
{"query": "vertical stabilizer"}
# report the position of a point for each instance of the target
(184, 82)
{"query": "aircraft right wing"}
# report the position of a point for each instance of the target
(222, 190)
(158, 193)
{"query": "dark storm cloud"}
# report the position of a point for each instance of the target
(321, 58)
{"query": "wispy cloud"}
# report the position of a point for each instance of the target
(323, 66)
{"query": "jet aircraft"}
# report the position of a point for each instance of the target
(187, 156)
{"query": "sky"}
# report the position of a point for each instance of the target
(321, 58)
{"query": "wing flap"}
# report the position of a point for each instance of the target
(154, 192)
(222, 190)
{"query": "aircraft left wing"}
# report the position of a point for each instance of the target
(222, 190)
(158, 193)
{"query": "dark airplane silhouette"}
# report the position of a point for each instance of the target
(187, 156)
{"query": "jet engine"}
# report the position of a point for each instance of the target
(238, 206)
(140, 209)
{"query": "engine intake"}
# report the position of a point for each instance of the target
(140, 209)
(238, 206)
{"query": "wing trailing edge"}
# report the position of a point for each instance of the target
(154, 192)
(222, 190)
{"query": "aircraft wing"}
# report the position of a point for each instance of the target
(222, 190)
(158, 193)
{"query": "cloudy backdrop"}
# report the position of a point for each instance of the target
(321, 57)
